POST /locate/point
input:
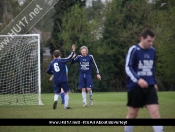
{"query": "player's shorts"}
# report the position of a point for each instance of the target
(85, 81)
(63, 85)
(139, 97)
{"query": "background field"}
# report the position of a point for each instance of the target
(106, 105)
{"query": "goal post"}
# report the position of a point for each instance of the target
(20, 72)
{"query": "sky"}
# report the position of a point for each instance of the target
(88, 1)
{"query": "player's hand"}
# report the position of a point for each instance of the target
(51, 78)
(98, 76)
(73, 47)
(156, 87)
(74, 56)
(142, 83)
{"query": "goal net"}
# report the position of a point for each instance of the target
(20, 82)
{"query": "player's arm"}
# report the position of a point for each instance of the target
(74, 56)
(96, 67)
(75, 59)
(69, 58)
(49, 69)
(130, 59)
(155, 85)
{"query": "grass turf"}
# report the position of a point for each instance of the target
(106, 105)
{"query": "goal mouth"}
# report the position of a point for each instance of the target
(20, 78)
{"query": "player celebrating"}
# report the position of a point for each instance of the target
(62, 91)
(57, 68)
(85, 73)
(141, 84)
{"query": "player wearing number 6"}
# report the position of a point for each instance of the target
(57, 68)
(62, 91)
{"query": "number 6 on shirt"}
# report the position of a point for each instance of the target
(56, 67)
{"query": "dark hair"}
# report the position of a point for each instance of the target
(56, 53)
(147, 32)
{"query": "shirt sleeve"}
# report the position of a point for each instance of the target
(76, 59)
(94, 63)
(129, 64)
(154, 68)
(65, 60)
(49, 69)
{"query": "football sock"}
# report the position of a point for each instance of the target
(90, 94)
(66, 100)
(158, 128)
(62, 97)
(84, 97)
(56, 97)
(128, 128)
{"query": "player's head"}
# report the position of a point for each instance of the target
(147, 38)
(56, 54)
(84, 50)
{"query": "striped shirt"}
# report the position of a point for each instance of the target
(58, 68)
(140, 64)
(85, 64)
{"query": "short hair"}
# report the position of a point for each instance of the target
(56, 53)
(147, 32)
(84, 47)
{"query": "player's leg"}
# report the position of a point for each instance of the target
(57, 90)
(135, 101)
(83, 88)
(84, 97)
(154, 113)
(89, 85)
(66, 97)
(90, 95)
(62, 96)
(153, 106)
(132, 113)
(153, 110)
(65, 87)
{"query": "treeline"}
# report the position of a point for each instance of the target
(108, 30)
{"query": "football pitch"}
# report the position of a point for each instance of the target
(106, 105)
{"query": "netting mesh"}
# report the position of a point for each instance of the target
(19, 78)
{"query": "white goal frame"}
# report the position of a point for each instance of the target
(39, 68)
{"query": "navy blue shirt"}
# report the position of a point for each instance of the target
(140, 64)
(57, 68)
(85, 64)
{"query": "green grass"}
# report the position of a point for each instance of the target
(106, 105)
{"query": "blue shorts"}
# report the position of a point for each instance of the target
(58, 86)
(85, 81)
